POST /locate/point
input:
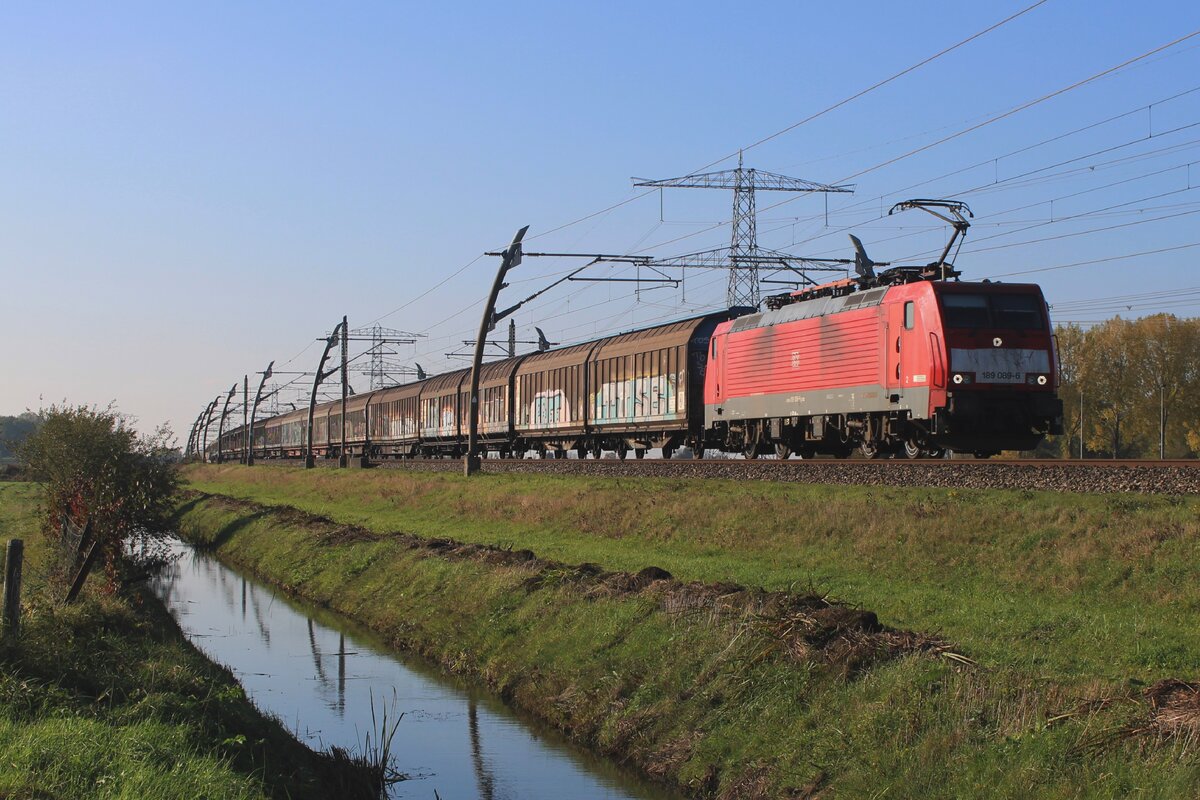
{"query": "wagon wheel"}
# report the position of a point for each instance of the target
(622, 449)
(667, 452)
(783, 451)
(639, 452)
(596, 451)
(912, 449)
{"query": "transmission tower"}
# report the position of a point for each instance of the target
(743, 254)
(381, 369)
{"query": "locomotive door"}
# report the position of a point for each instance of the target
(894, 346)
(903, 348)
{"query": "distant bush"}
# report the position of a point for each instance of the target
(95, 467)
(13, 431)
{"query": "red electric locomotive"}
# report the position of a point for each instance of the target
(909, 361)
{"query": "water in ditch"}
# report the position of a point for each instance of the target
(320, 675)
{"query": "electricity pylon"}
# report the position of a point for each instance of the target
(743, 254)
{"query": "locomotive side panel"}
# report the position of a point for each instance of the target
(824, 365)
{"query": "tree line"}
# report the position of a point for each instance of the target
(1125, 383)
(13, 431)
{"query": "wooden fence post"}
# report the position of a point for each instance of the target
(93, 549)
(13, 556)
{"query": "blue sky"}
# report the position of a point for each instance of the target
(188, 191)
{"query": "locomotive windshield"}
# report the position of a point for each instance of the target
(1010, 311)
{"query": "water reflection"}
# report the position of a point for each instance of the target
(321, 675)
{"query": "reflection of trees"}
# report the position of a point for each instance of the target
(484, 777)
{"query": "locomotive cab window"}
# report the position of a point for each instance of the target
(910, 315)
(965, 310)
(1017, 311)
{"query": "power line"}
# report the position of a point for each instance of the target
(814, 116)
(1096, 260)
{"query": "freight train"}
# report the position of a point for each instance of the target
(911, 362)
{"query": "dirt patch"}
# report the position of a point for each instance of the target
(1174, 708)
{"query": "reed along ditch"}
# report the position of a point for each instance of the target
(331, 682)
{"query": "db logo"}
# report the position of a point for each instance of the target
(795, 359)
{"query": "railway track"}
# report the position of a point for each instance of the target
(1143, 477)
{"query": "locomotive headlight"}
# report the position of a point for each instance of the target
(1041, 380)
(958, 378)
(961, 378)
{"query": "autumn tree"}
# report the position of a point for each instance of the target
(94, 467)
(1135, 379)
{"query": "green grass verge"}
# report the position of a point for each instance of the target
(105, 699)
(1062, 599)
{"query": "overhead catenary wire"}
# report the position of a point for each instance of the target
(811, 117)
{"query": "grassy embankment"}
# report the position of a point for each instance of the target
(1071, 605)
(105, 699)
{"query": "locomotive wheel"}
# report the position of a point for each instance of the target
(752, 442)
(936, 452)
(869, 450)
(783, 452)
(912, 450)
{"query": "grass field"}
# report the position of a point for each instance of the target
(1071, 605)
(105, 699)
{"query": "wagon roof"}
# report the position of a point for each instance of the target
(357, 402)
(394, 393)
(553, 359)
(494, 373)
(670, 335)
(291, 416)
(447, 383)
